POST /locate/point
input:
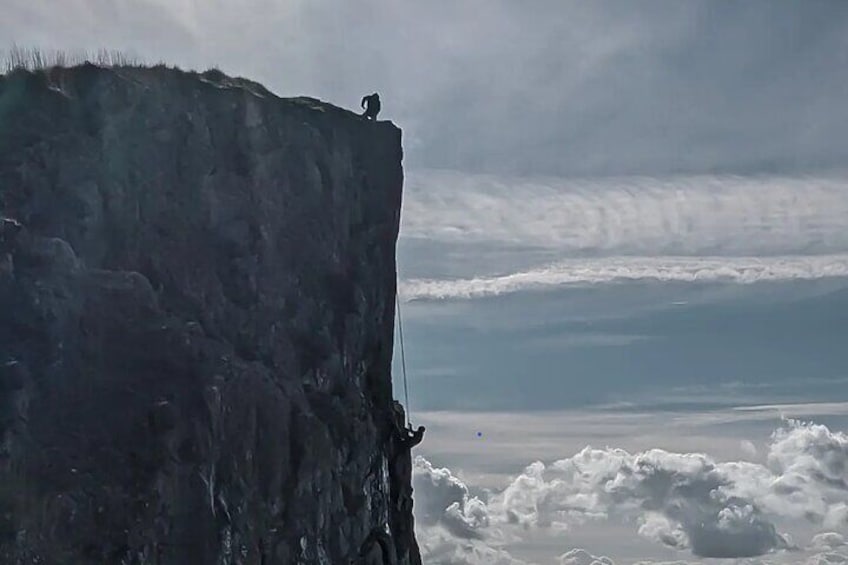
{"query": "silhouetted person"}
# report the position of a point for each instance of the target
(400, 478)
(371, 103)
(405, 436)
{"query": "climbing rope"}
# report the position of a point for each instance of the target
(403, 360)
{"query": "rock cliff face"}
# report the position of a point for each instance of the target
(197, 282)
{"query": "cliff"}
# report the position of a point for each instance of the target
(197, 282)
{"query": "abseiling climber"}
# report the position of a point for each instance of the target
(393, 545)
(371, 103)
(404, 438)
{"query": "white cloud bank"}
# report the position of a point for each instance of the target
(493, 235)
(676, 215)
(683, 501)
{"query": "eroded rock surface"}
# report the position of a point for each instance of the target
(197, 282)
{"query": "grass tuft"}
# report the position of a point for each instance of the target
(19, 58)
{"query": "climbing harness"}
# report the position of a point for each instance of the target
(403, 360)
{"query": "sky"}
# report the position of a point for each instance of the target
(623, 257)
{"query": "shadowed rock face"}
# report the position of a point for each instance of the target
(197, 282)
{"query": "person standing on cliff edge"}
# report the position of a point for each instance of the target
(371, 103)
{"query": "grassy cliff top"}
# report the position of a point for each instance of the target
(54, 66)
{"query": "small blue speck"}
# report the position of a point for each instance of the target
(479, 434)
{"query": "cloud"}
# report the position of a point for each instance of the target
(452, 527)
(658, 528)
(439, 546)
(674, 215)
(584, 272)
(582, 557)
(478, 235)
(809, 468)
(678, 562)
(827, 541)
(829, 558)
(811, 451)
(690, 492)
(441, 498)
(683, 501)
(837, 516)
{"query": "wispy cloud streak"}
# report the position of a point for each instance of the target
(583, 272)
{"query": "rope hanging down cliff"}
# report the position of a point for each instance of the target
(403, 360)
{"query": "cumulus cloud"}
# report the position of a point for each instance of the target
(452, 526)
(811, 451)
(582, 557)
(837, 516)
(691, 493)
(827, 540)
(676, 562)
(683, 501)
(828, 558)
(659, 528)
(443, 499)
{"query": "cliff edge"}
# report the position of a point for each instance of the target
(197, 285)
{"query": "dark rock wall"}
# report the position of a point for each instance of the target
(197, 284)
